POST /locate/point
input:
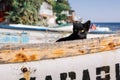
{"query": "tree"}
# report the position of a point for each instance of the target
(61, 5)
(24, 11)
(58, 7)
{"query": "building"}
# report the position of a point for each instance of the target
(72, 16)
(3, 8)
(46, 12)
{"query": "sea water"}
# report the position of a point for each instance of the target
(114, 26)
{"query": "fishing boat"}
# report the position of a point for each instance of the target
(100, 30)
(24, 27)
(89, 59)
(65, 28)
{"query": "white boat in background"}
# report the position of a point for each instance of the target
(103, 29)
(99, 30)
(65, 28)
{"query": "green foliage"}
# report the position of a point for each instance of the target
(24, 11)
(59, 6)
(51, 2)
(61, 17)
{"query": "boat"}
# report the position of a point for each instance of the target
(89, 59)
(64, 28)
(59, 28)
(24, 27)
(100, 30)
(14, 37)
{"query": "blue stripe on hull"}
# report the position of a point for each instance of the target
(22, 28)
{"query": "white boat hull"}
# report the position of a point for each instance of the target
(102, 65)
(69, 28)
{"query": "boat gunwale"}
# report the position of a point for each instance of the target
(58, 45)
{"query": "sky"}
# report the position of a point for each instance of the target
(97, 10)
